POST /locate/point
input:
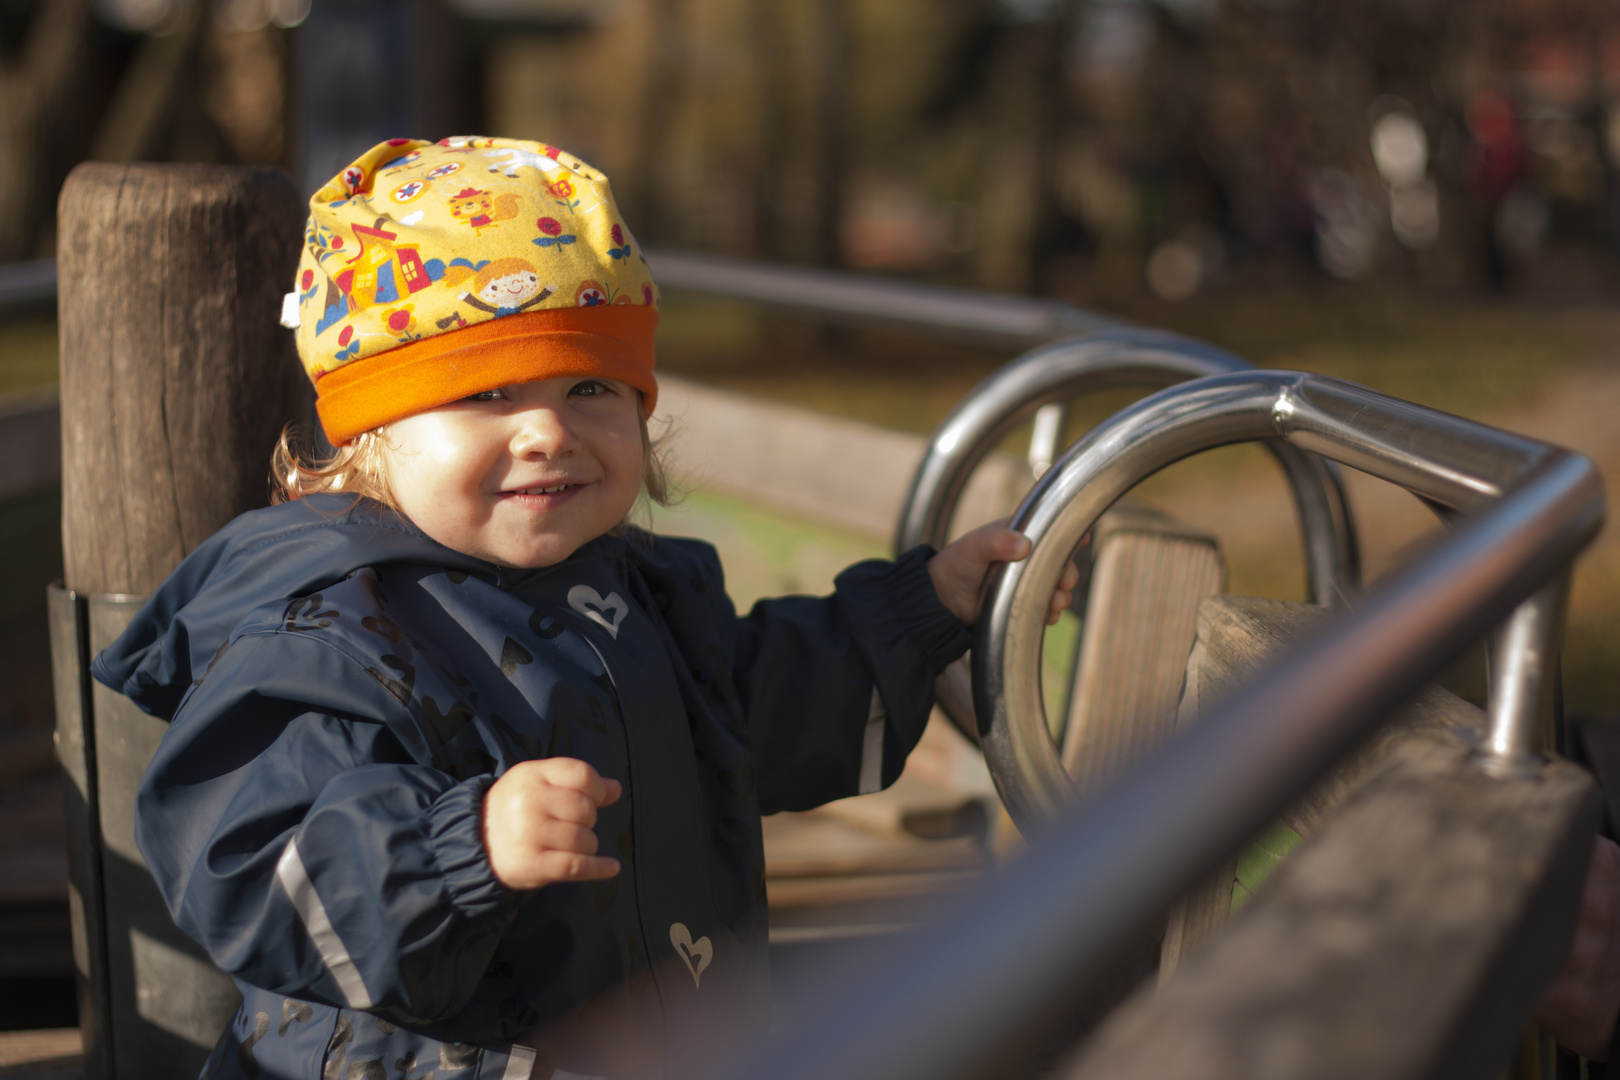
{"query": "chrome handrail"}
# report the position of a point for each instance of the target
(1063, 370)
(951, 1001)
(985, 318)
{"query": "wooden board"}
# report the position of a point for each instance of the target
(1237, 636)
(1410, 938)
(52, 1054)
(1150, 575)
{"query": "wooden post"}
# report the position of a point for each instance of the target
(176, 377)
(176, 380)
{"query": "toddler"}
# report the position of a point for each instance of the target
(465, 774)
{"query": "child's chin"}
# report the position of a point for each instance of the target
(533, 554)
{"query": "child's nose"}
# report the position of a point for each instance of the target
(542, 431)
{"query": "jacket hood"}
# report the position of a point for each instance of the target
(262, 556)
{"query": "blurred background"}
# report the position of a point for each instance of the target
(1420, 195)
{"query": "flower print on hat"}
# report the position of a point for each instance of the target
(551, 233)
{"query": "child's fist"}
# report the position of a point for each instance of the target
(538, 820)
(958, 571)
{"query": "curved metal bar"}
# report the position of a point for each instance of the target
(1064, 369)
(994, 319)
(1445, 459)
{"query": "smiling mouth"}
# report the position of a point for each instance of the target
(554, 489)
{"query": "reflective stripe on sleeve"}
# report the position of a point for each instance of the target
(307, 902)
(872, 747)
(520, 1063)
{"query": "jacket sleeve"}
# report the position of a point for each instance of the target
(296, 839)
(837, 690)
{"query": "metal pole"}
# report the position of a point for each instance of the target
(1524, 659)
(978, 317)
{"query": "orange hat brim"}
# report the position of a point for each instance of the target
(613, 341)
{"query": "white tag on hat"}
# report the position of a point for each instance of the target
(289, 311)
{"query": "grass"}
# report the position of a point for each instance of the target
(1466, 357)
(766, 553)
(28, 354)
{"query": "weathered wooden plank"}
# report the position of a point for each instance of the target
(1151, 574)
(802, 461)
(176, 377)
(1237, 636)
(1410, 938)
(50, 1054)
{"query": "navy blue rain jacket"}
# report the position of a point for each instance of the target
(344, 690)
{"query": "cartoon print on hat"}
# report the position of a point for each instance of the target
(480, 209)
(375, 242)
(506, 287)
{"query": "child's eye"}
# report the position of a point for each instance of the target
(486, 395)
(590, 388)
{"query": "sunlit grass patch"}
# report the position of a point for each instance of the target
(28, 354)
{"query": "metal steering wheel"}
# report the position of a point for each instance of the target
(1059, 372)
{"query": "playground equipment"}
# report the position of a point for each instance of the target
(1048, 376)
(1066, 914)
(1457, 918)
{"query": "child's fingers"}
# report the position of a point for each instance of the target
(994, 543)
(1063, 595)
(566, 804)
(1005, 545)
(573, 866)
(573, 773)
(557, 835)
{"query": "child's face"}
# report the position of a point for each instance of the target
(523, 475)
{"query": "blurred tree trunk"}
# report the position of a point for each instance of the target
(830, 147)
(1019, 138)
(149, 90)
(661, 70)
(32, 89)
(770, 39)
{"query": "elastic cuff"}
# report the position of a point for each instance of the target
(916, 607)
(455, 832)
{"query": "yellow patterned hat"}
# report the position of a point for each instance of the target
(432, 271)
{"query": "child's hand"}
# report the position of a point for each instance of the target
(538, 820)
(958, 571)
